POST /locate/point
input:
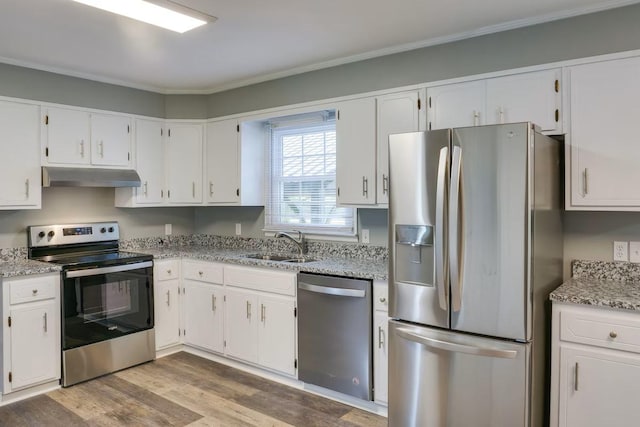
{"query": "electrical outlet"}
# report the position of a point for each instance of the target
(238, 229)
(621, 251)
(365, 235)
(634, 252)
(167, 229)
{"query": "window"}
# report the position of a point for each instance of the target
(302, 177)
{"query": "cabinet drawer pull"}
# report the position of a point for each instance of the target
(380, 337)
(34, 292)
(200, 273)
(383, 300)
(168, 271)
(613, 334)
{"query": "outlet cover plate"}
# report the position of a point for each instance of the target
(167, 229)
(621, 251)
(365, 235)
(238, 228)
(634, 252)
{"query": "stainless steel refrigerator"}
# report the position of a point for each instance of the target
(475, 244)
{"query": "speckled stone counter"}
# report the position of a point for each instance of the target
(599, 283)
(25, 267)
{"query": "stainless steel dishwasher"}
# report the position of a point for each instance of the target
(334, 333)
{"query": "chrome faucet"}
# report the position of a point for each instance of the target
(299, 241)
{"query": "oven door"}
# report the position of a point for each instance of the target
(106, 302)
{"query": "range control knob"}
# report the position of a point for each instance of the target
(41, 234)
(110, 229)
(51, 234)
(103, 230)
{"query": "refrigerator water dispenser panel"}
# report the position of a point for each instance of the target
(414, 257)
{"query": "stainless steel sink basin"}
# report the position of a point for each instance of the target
(280, 258)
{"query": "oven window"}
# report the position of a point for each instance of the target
(105, 306)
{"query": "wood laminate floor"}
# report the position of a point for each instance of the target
(182, 390)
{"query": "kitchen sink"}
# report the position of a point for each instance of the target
(281, 258)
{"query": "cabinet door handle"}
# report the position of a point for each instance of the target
(613, 334)
(213, 303)
(501, 113)
(248, 310)
(476, 117)
(193, 189)
(82, 148)
(210, 188)
(262, 313)
(385, 184)
(168, 299)
(101, 148)
(365, 186)
(145, 188)
(26, 184)
(575, 381)
(45, 322)
(380, 337)
(585, 182)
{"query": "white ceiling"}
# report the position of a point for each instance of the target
(252, 40)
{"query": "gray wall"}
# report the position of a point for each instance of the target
(68, 205)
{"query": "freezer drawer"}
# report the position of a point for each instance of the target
(447, 379)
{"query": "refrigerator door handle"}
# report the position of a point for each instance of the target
(456, 347)
(441, 260)
(456, 235)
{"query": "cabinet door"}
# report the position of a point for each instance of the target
(202, 305)
(167, 313)
(110, 140)
(380, 357)
(397, 113)
(35, 344)
(184, 163)
(456, 105)
(150, 162)
(356, 152)
(20, 170)
(528, 97)
(603, 134)
(598, 388)
(222, 185)
(276, 334)
(68, 136)
(241, 325)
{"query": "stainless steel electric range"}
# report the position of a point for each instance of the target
(107, 298)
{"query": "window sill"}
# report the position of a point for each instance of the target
(313, 236)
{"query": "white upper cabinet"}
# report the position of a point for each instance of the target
(222, 181)
(456, 105)
(150, 162)
(526, 97)
(67, 136)
(20, 153)
(396, 113)
(235, 163)
(77, 137)
(184, 163)
(356, 152)
(602, 142)
(110, 140)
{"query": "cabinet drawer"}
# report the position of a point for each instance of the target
(259, 279)
(203, 271)
(620, 331)
(380, 296)
(32, 289)
(167, 270)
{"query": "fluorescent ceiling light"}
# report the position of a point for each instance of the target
(152, 13)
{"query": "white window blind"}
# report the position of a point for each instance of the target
(301, 188)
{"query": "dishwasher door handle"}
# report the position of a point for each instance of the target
(340, 292)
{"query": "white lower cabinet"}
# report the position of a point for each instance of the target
(203, 319)
(380, 343)
(241, 325)
(276, 333)
(595, 376)
(167, 303)
(31, 332)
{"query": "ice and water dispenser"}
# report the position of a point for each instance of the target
(414, 257)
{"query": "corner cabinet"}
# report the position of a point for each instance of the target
(184, 162)
(31, 331)
(602, 143)
(396, 113)
(525, 97)
(20, 153)
(356, 152)
(595, 374)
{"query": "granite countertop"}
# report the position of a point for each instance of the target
(25, 267)
(352, 267)
(604, 284)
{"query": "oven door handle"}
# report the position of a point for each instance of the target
(105, 270)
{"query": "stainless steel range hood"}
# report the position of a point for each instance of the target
(89, 177)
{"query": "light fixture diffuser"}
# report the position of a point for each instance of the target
(151, 13)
